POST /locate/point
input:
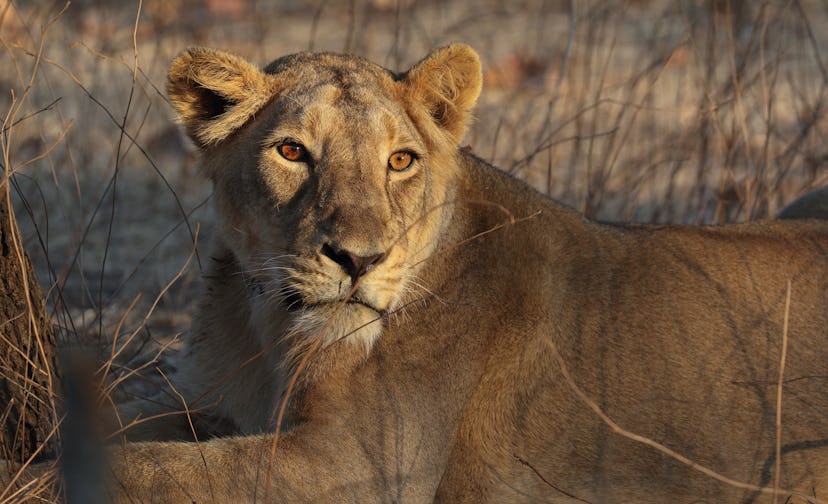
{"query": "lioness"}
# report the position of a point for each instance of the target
(454, 335)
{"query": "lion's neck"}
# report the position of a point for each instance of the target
(496, 212)
(498, 223)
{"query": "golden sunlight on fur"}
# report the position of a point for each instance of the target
(446, 333)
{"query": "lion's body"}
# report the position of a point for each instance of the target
(498, 320)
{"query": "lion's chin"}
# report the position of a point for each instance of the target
(354, 322)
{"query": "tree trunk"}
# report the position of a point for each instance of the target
(28, 371)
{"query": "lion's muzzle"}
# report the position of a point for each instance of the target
(353, 264)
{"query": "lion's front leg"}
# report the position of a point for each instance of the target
(314, 463)
(215, 471)
(242, 469)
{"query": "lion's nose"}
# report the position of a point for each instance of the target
(354, 265)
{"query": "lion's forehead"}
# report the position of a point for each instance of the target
(343, 68)
(325, 112)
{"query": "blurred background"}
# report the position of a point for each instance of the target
(704, 111)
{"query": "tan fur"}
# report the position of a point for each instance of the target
(457, 379)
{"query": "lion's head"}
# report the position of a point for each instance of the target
(330, 172)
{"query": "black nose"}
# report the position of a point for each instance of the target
(354, 265)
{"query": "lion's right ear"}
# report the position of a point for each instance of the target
(215, 93)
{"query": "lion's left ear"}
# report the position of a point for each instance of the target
(448, 83)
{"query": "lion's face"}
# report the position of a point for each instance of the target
(333, 190)
(333, 177)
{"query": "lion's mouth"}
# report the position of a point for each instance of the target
(294, 302)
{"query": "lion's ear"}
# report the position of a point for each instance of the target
(215, 93)
(448, 83)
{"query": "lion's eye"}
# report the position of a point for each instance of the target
(400, 161)
(293, 151)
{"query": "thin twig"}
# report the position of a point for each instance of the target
(779, 384)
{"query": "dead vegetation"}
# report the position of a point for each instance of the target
(646, 110)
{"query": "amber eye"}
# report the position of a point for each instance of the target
(400, 161)
(293, 151)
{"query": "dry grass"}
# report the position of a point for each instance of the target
(647, 110)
